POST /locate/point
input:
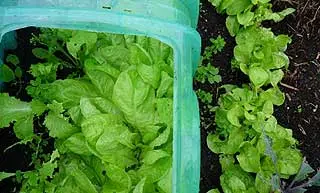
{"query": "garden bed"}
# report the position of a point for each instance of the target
(301, 84)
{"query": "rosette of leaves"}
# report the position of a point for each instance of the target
(260, 55)
(248, 12)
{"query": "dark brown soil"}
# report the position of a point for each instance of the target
(301, 111)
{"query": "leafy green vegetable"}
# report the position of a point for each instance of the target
(111, 119)
(249, 158)
(22, 113)
(260, 55)
(248, 13)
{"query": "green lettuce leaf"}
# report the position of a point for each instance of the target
(20, 113)
(135, 99)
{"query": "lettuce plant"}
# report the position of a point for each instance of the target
(260, 55)
(248, 13)
(112, 125)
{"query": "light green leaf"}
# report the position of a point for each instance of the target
(249, 116)
(288, 161)
(159, 51)
(93, 128)
(97, 105)
(105, 134)
(140, 186)
(274, 94)
(249, 158)
(275, 77)
(258, 76)
(230, 145)
(78, 39)
(4, 175)
(100, 77)
(75, 114)
(12, 109)
(88, 109)
(24, 128)
(77, 144)
(263, 182)
(119, 180)
(157, 170)
(139, 55)
(70, 91)
(268, 108)
(238, 7)
(135, 99)
(113, 55)
(81, 179)
(224, 5)
(38, 107)
(245, 18)
(214, 191)
(280, 60)
(235, 180)
(47, 169)
(109, 140)
(234, 115)
(242, 54)
(47, 72)
(215, 3)
(152, 156)
(165, 110)
(281, 15)
(282, 41)
(233, 25)
(59, 127)
(165, 184)
(6, 74)
(150, 74)
(161, 139)
(165, 84)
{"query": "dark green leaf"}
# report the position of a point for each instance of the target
(18, 72)
(13, 59)
(6, 74)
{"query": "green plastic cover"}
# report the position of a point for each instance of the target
(171, 21)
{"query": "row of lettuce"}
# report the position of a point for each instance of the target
(256, 153)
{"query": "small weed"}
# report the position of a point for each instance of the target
(208, 73)
(204, 96)
(216, 47)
